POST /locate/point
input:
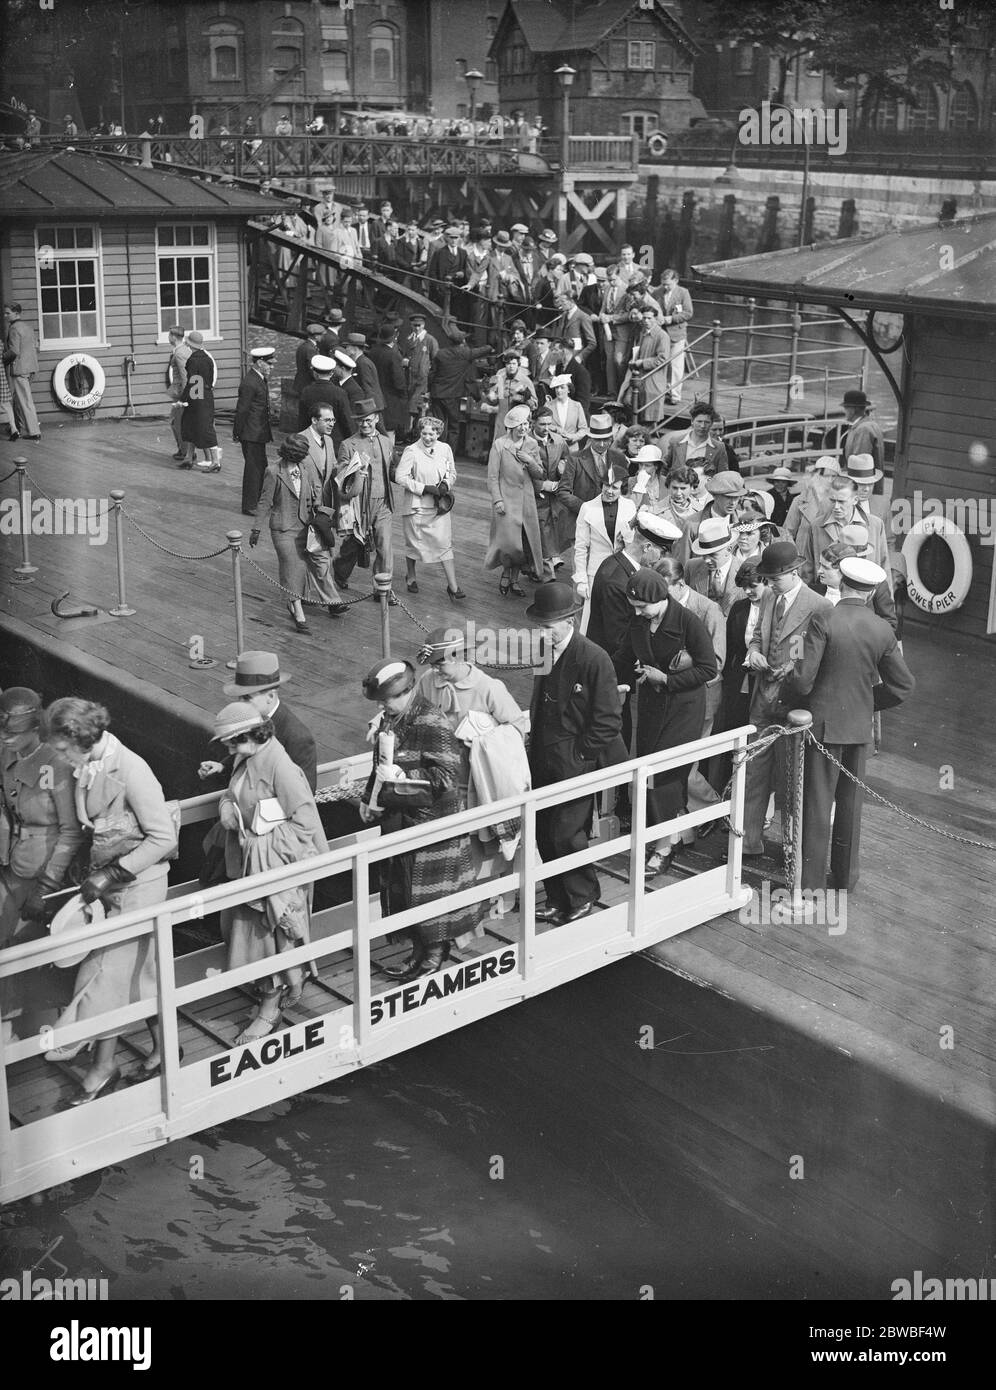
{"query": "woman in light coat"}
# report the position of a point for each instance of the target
(427, 474)
(592, 542)
(513, 468)
(568, 415)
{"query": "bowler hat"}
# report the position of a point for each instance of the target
(726, 484)
(335, 316)
(254, 673)
(236, 718)
(713, 534)
(553, 603)
(780, 557)
(861, 467)
(647, 586)
(855, 398)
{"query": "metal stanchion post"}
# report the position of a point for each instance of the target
(793, 355)
(797, 719)
(25, 569)
(717, 333)
(121, 610)
(234, 539)
(382, 587)
(748, 341)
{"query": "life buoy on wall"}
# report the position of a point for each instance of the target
(953, 596)
(657, 144)
(61, 387)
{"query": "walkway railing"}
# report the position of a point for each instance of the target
(352, 1019)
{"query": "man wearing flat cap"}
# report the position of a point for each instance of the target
(251, 428)
(575, 728)
(786, 610)
(851, 666)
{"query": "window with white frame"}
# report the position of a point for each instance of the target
(641, 123)
(185, 271)
(642, 53)
(69, 286)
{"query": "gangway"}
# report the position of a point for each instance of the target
(348, 1017)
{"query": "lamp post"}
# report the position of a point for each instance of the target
(565, 75)
(473, 79)
(780, 106)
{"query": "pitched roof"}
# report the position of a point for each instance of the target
(541, 22)
(548, 25)
(73, 183)
(949, 269)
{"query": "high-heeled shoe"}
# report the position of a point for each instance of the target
(66, 1054)
(504, 584)
(300, 624)
(106, 1086)
(455, 594)
(411, 586)
(146, 1073)
(518, 590)
(403, 971)
(433, 958)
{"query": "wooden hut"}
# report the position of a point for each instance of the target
(924, 301)
(104, 255)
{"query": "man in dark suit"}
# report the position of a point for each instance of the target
(365, 369)
(850, 668)
(325, 391)
(453, 375)
(387, 359)
(303, 353)
(329, 340)
(251, 428)
(447, 272)
(574, 325)
(574, 728)
(257, 681)
(786, 611)
(585, 474)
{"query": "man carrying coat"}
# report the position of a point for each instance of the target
(575, 728)
(252, 425)
(364, 479)
(850, 668)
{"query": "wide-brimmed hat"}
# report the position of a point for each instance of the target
(766, 500)
(863, 575)
(502, 239)
(388, 677)
(726, 484)
(518, 415)
(20, 710)
(647, 586)
(70, 917)
(362, 410)
(855, 398)
(357, 339)
(780, 557)
(553, 603)
(600, 427)
(254, 673)
(861, 467)
(648, 453)
(656, 528)
(445, 503)
(713, 534)
(235, 719)
(321, 363)
(547, 237)
(778, 475)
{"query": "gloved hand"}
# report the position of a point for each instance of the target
(442, 489)
(430, 490)
(34, 908)
(102, 881)
(253, 538)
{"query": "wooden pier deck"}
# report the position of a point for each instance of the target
(918, 952)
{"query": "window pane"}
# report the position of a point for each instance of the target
(165, 235)
(201, 267)
(50, 301)
(64, 238)
(183, 264)
(202, 294)
(88, 298)
(184, 293)
(48, 276)
(225, 62)
(88, 325)
(50, 326)
(202, 236)
(67, 300)
(86, 272)
(84, 236)
(167, 295)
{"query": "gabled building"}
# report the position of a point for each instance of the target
(633, 60)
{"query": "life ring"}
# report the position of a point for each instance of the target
(657, 144)
(954, 596)
(61, 387)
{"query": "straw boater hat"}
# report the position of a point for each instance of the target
(780, 557)
(600, 427)
(553, 603)
(726, 484)
(235, 719)
(714, 533)
(254, 673)
(862, 575)
(861, 467)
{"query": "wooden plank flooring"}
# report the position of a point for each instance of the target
(919, 946)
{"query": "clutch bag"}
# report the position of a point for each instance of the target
(267, 816)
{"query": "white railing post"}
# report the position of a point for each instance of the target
(527, 890)
(169, 1033)
(734, 856)
(361, 952)
(6, 1146)
(638, 848)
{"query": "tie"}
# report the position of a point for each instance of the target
(715, 586)
(781, 608)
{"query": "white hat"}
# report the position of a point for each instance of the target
(861, 574)
(655, 527)
(261, 354)
(861, 467)
(649, 453)
(564, 379)
(70, 917)
(518, 227)
(342, 357)
(766, 500)
(518, 415)
(319, 363)
(826, 464)
(714, 532)
(582, 258)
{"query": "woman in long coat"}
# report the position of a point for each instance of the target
(651, 350)
(670, 702)
(270, 818)
(197, 426)
(292, 491)
(39, 828)
(132, 838)
(411, 736)
(513, 469)
(427, 473)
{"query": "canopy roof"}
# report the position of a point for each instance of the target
(949, 270)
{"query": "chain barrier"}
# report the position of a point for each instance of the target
(314, 602)
(484, 665)
(174, 554)
(7, 476)
(54, 500)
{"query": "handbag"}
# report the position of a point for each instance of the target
(681, 661)
(267, 816)
(322, 525)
